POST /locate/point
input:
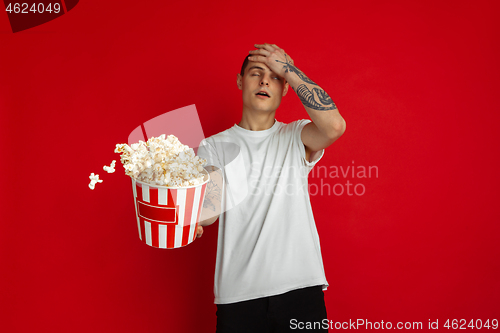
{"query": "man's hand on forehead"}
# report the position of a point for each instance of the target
(273, 57)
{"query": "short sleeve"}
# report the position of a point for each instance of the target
(316, 156)
(207, 151)
(228, 158)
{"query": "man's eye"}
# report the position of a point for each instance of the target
(276, 78)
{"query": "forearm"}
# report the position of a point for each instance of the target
(207, 222)
(211, 208)
(317, 102)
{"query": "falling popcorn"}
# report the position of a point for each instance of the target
(93, 180)
(159, 161)
(162, 161)
(111, 168)
(171, 182)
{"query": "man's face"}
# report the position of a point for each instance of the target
(257, 81)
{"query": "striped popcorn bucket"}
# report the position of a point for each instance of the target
(167, 217)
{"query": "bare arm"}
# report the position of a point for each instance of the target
(212, 204)
(327, 123)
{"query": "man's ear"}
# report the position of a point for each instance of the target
(285, 89)
(239, 82)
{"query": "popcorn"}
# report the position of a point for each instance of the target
(93, 180)
(111, 168)
(162, 161)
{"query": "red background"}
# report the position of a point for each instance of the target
(417, 83)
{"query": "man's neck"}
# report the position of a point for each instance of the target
(256, 121)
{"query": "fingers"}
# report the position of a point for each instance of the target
(260, 51)
(269, 47)
(279, 48)
(199, 231)
(257, 58)
(268, 50)
(266, 46)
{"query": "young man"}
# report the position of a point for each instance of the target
(269, 274)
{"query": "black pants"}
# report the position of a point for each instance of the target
(294, 311)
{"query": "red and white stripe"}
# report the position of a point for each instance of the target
(167, 217)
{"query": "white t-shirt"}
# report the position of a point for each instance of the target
(268, 243)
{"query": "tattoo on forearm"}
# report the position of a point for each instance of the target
(324, 98)
(214, 192)
(207, 203)
(291, 68)
(307, 97)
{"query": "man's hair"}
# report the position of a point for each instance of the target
(244, 66)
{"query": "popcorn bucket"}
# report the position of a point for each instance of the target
(167, 217)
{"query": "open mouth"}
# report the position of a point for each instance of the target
(263, 94)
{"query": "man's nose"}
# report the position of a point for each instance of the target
(264, 81)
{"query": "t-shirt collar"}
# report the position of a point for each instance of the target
(265, 132)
